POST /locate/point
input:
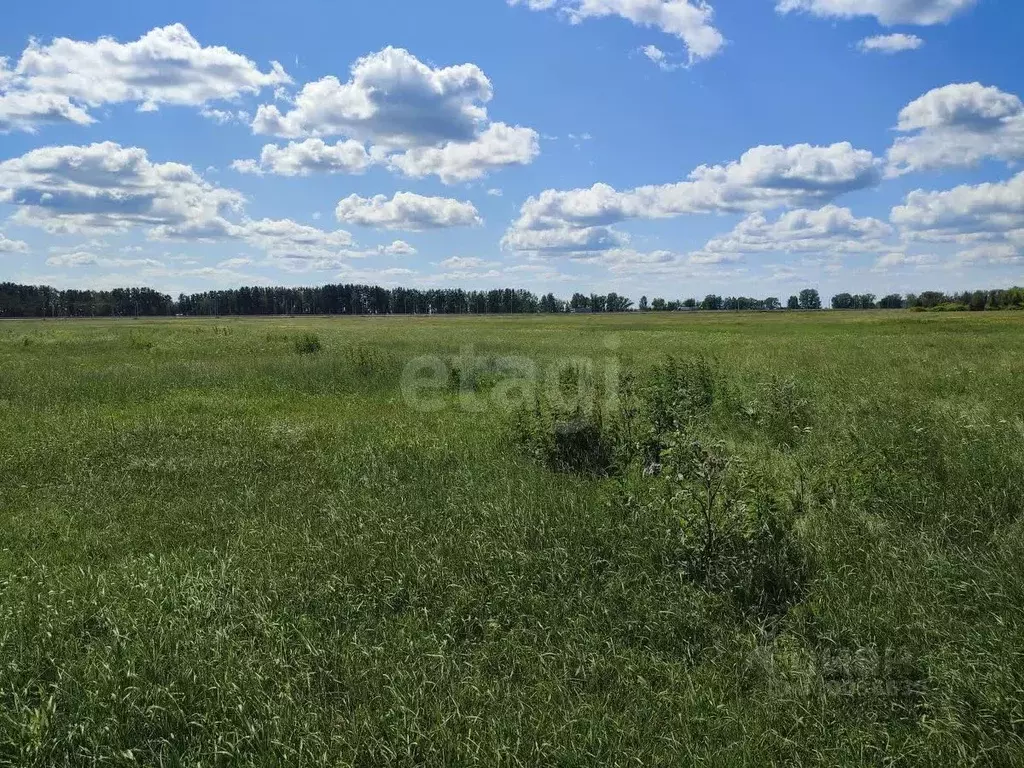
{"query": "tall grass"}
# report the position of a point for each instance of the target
(793, 540)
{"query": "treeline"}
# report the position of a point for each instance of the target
(44, 301)
(967, 301)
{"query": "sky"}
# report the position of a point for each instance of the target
(665, 148)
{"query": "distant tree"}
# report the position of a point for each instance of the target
(712, 302)
(615, 303)
(793, 303)
(864, 301)
(658, 305)
(809, 299)
(842, 301)
(643, 304)
(892, 301)
(689, 304)
(772, 302)
(929, 299)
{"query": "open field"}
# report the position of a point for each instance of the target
(257, 542)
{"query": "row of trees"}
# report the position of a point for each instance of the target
(44, 301)
(807, 299)
(976, 301)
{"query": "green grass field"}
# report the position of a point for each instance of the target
(220, 545)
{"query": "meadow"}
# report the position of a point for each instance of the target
(777, 538)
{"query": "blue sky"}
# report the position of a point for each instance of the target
(660, 147)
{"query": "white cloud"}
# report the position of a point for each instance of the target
(688, 20)
(659, 57)
(239, 261)
(407, 211)
(498, 146)
(396, 248)
(12, 246)
(106, 187)
(74, 259)
(763, 178)
(88, 259)
(898, 259)
(61, 80)
(958, 125)
(829, 230)
(890, 43)
(495, 192)
(418, 120)
(466, 262)
(223, 116)
(109, 187)
(990, 254)
(24, 110)
(888, 12)
(562, 239)
(392, 99)
(309, 156)
(992, 212)
(627, 262)
(287, 239)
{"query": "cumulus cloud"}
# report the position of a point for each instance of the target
(284, 238)
(828, 230)
(74, 259)
(688, 20)
(309, 156)
(62, 80)
(763, 178)
(500, 145)
(896, 260)
(416, 119)
(407, 211)
(12, 246)
(992, 212)
(890, 43)
(958, 125)
(106, 187)
(994, 254)
(888, 12)
(564, 239)
(109, 187)
(396, 248)
(25, 110)
(392, 99)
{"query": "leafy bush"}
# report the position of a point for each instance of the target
(579, 438)
(606, 433)
(734, 537)
(308, 344)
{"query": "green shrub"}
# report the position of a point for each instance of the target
(308, 344)
(735, 537)
(577, 440)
